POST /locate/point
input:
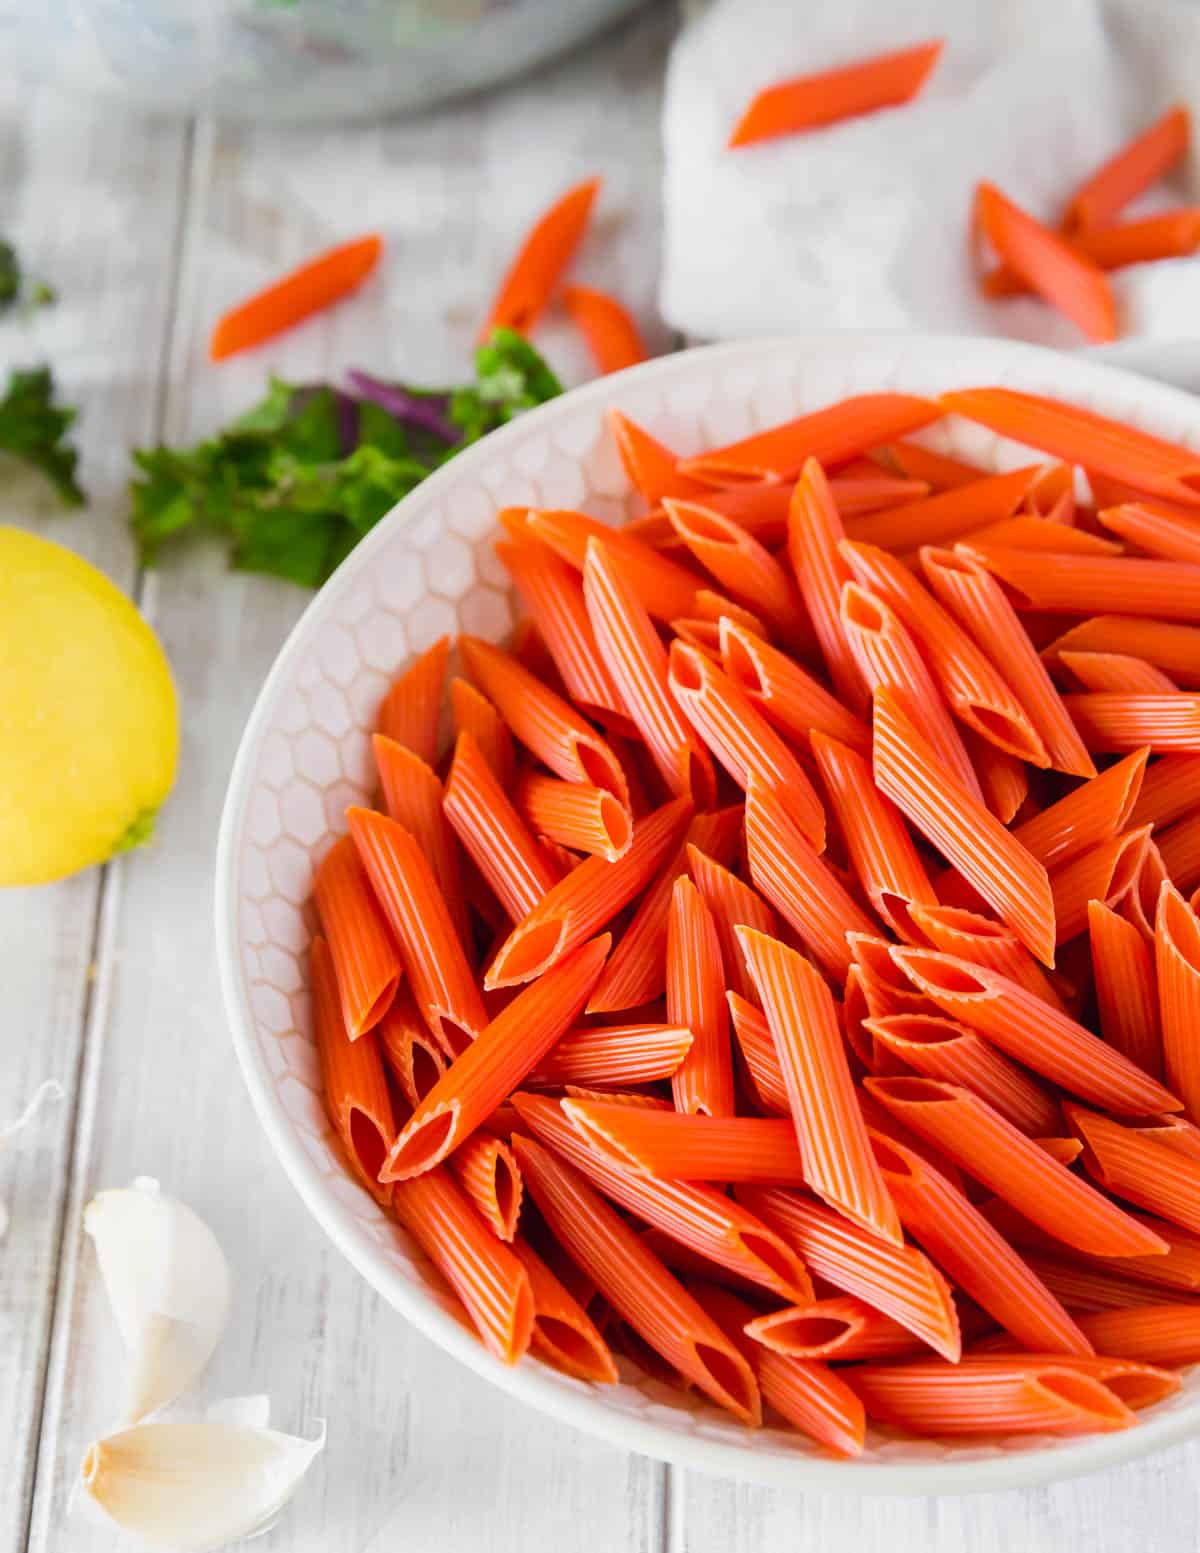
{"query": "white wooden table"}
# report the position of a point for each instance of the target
(107, 982)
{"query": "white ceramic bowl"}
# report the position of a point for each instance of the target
(428, 568)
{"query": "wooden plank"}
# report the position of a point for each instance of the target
(414, 1440)
(91, 202)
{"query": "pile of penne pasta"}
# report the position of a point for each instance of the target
(787, 980)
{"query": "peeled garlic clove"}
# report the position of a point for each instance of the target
(196, 1486)
(50, 1090)
(168, 1284)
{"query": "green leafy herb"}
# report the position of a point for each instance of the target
(295, 482)
(32, 428)
(16, 287)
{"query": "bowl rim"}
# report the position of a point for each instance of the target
(573, 1403)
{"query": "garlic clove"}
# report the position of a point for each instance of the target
(168, 1284)
(50, 1090)
(196, 1486)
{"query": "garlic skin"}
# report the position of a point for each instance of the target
(168, 1284)
(50, 1090)
(196, 1486)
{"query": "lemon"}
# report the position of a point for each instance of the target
(89, 725)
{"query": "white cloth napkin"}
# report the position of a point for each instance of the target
(864, 224)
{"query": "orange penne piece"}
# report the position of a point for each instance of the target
(1078, 436)
(1002, 778)
(1172, 235)
(412, 795)
(740, 564)
(1078, 584)
(887, 990)
(1162, 1334)
(801, 888)
(900, 1281)
(977, 694)
(732, 903)
(1114, 671)
(1105, 873)
(1158, 532)
(1005, 873)
(941, 1048)
(703, 1082)
(490, 1176)
(637, 661)
(840, 1327)
(973, 1253)
(814, 532)
(1033, 1033)
(854, 494)
(1177, 958)
(549, 727)
(1139, 1167)
(1027, 532)
(1141, 902)
(697, 1216)
(473, 713)
(636, 1284)
(1090, 813)
(609, 1056)
(761, 1059)
(676, 1145)
(431, 951)
(1047, 264)
(564, 1335)
(1126, 987)
(575, 815)
(1169, 790)
(666, 589)
(1176, 1268)
(880, 849)
(978, 603)
(411, 710)
(413, 1057)
(495, 1063)
(1179, 848)
(939, 471)
(482, 1271)
(353, 1084)
(494, 834)
(1114, 722)
(651, 466)
(742, 740)
(1138, 164)
(1173, 648)
(969, 936)
(546, 251)
(554, 598)
(364, 955)
(947, 516)
(809, 102)
(637, 970)
(1083, 1287)
(811, 1397)
(802, 1017)
(831, 436)
(976, 1136)
(787, 695)
(1000, 1395)
(612, 336)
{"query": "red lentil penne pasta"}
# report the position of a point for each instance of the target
(976, 1137)
(610, 1056)
(732, 903)
(1047, 264)
(1139, 163)
(575, 815)
(490, 1176)
(546, 251)
(1177, 958)
(430, 949)
(794, 880)
(787, 695)
(473, 713)
(881, 851)
(1033, 1033)
(855, 494)
(743, 566)
(488, 1279)
(1140, 904)
(973, 1253)
(1079, 436)
(1084, 1287)
(554, 598)
(612, 336)
(916, 462)
(1126, 987)
(888, 989)
(1113, 671)
(840, 1327)
(1077, 584)
(563, 1334)
(900, 1281)
(1179, 847)
(1172, 235)
(1018, 1394)
(352, 1078)
(651, 466)
(637, 660)
(832, 436)
(703, 1082)
(941, 1048)
(697, 1216)
(1005, 873)
(495, 1063)
(1139, 1167)
(762, 1060)
(1169, 790)
(812, 101)
(637, 970)
(1178, 1268)
(413, 1057)
(1160, 1334)
(1158, 532)
(1026, 532)
(411, 710)
(970, 936)
(630, 1099)
(666, 589)
(530, 651)
(412, 795)
(1112, 722)
(762, 510)
(977, 602)
(675, 1145)
(742, 740)
(1002, 778)
(1173, 648)
(838, 1162)
(1104, 873)
(814, 532)
(364, 954)
(1089, 813)
(941, 519)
